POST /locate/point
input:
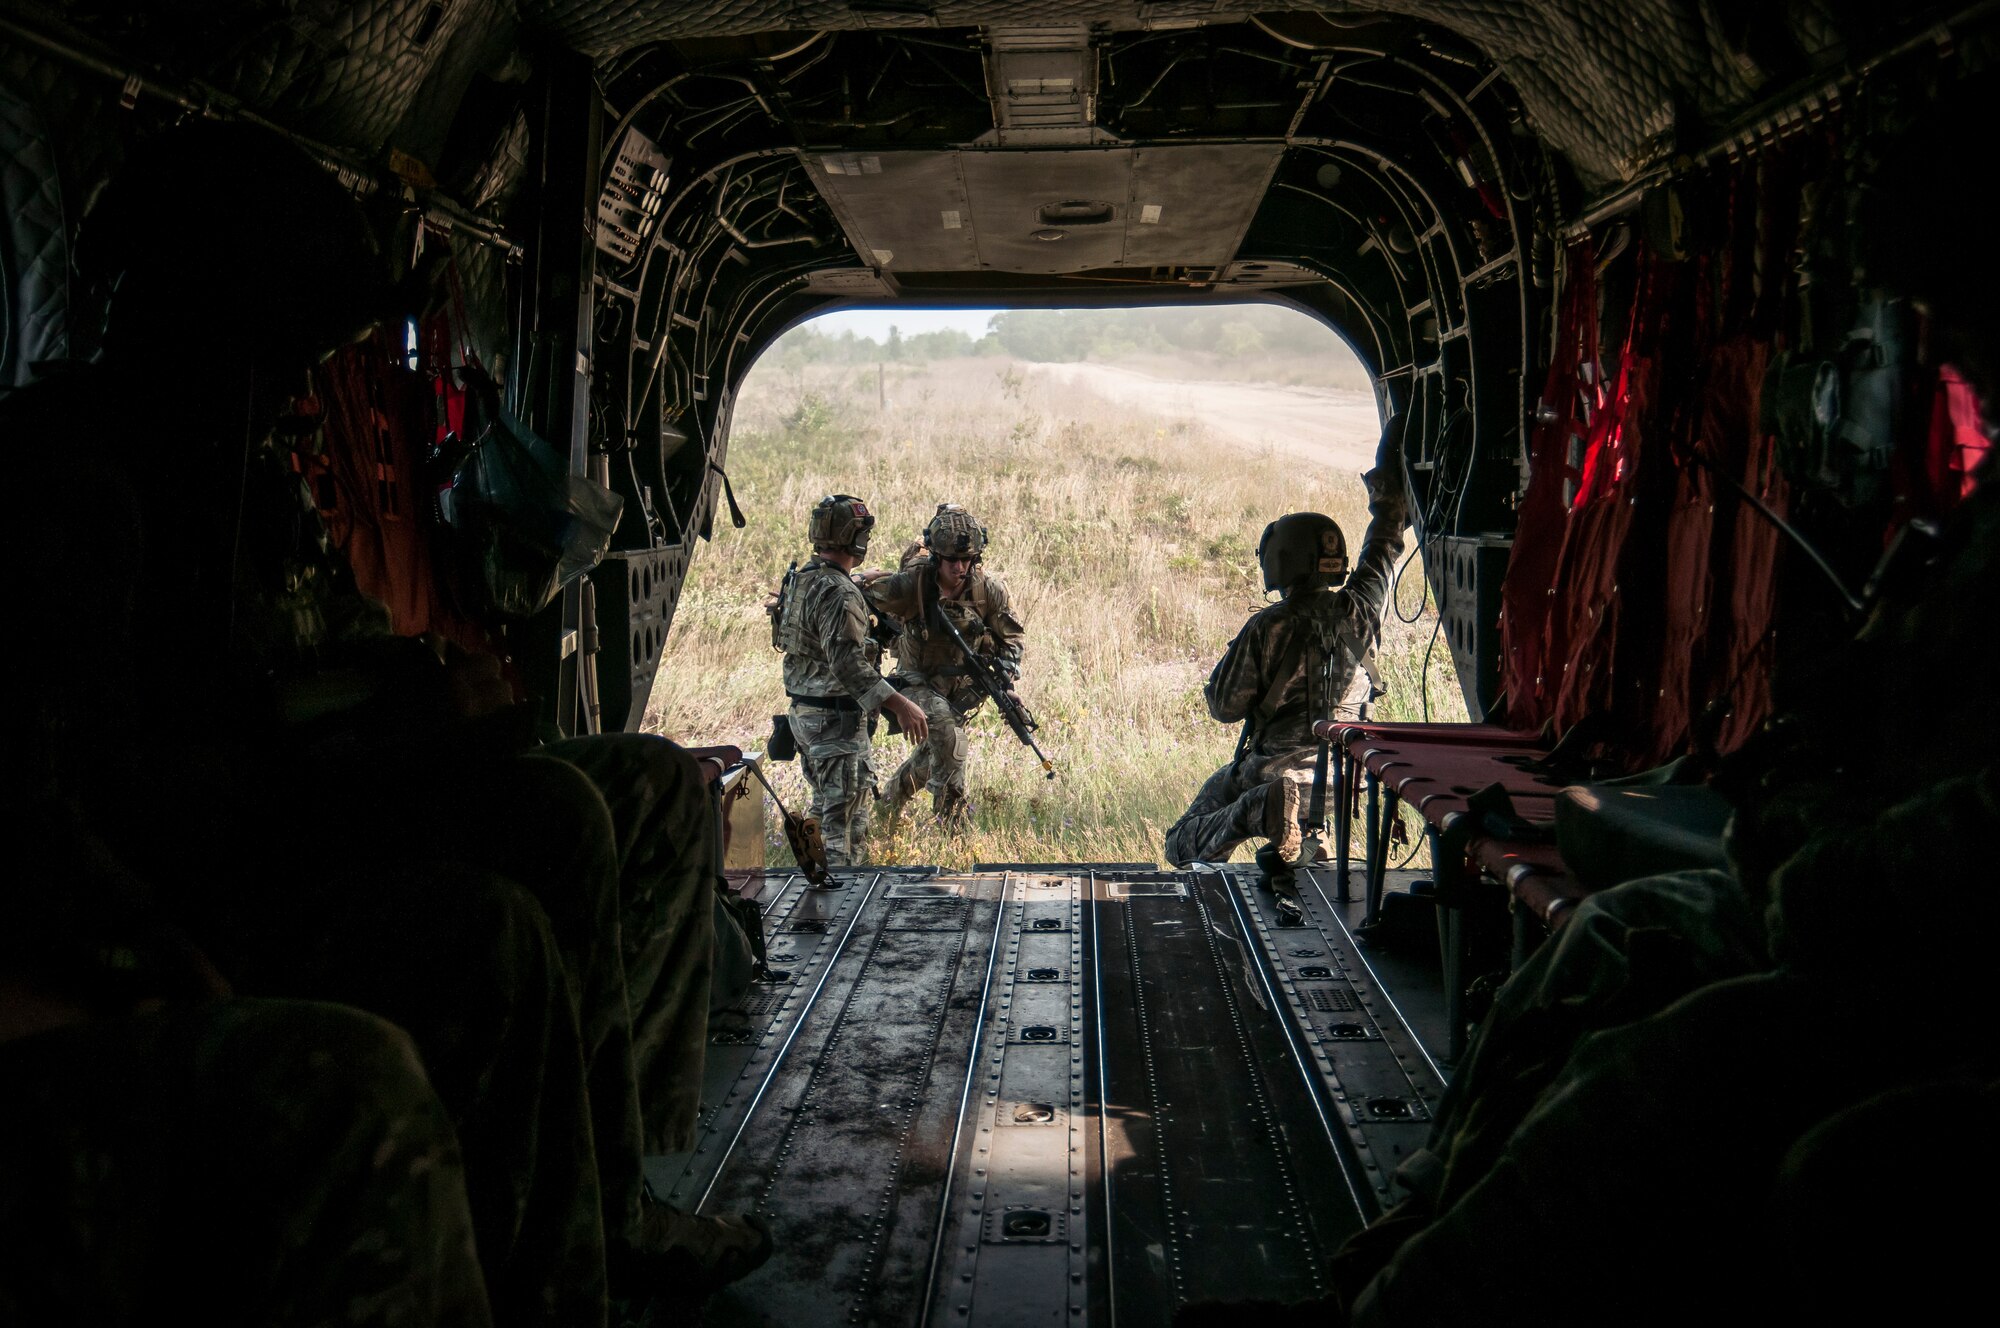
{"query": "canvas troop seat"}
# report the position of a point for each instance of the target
(1487, 803)
(1496, 809)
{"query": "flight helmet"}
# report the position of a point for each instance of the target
(841, 522)
(955, 533)
(1302, 551)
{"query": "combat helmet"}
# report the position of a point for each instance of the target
(955, 533)
(840, 521)
(1304, 549)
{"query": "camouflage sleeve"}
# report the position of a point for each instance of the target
(1004, 627)
(1368, 584)
(895, 593)
(1238, 682)
(841, 620)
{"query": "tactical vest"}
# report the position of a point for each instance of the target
(800, 600)
(925, 647)
(1331, 654)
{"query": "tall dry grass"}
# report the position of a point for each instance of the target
(1128, 544)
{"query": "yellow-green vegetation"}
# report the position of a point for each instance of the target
(1128, 543)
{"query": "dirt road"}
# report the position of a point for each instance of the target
(1334, 428)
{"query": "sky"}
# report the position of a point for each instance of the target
(874, 323)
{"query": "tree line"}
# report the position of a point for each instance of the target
(1069, 335)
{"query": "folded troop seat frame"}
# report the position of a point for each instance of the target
(1436, 770)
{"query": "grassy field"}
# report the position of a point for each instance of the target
(1128, 543)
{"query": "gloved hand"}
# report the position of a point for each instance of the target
(1384, 479)
(1388, 497)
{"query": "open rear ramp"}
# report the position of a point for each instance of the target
(1049, 1095)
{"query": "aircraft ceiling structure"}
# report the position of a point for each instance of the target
(1601, 80)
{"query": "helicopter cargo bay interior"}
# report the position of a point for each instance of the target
(377, 365)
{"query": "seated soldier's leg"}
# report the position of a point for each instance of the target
(1626, 953)
(1656, 1199)
(546, 823)
(834, 747)
(668, 839)
(468, 964)
(543, 823)
(669, 852)
(266, 1161)
(1846, 1265)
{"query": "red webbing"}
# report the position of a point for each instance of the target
(377, 515)
(1644, 604)
(1465, 735)
(1667, 653)
(1931, 481)
(1538, 886)
(372, 490)
(1571, 397)
(1435, 779)
(1747, 544)
(1509, 859)
(1587, 610)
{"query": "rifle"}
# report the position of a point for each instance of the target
(802, 833)
(987, 673)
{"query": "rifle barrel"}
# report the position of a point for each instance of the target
(1015, 714)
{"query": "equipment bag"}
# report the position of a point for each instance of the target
(526, 526)
(783, 746)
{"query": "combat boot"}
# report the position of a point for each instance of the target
(889, 805)
(1281, 818)
(1276, 875)
(686, 1255)
(954, 813)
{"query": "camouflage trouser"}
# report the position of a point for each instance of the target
(835, 755)
(938, 763)
(669, 852)
(563, 1018)
(1625, 954)
(468, 962)
(258, 1162)
(1230, 808)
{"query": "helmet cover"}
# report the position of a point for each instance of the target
(841, 521)
(955, 533)
(1303, 549)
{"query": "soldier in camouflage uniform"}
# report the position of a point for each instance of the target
(946, 579)
(821, 623)
(1289, 666)
(539, 927)
(270, 1162)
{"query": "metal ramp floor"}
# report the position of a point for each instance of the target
(1049, 1095)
